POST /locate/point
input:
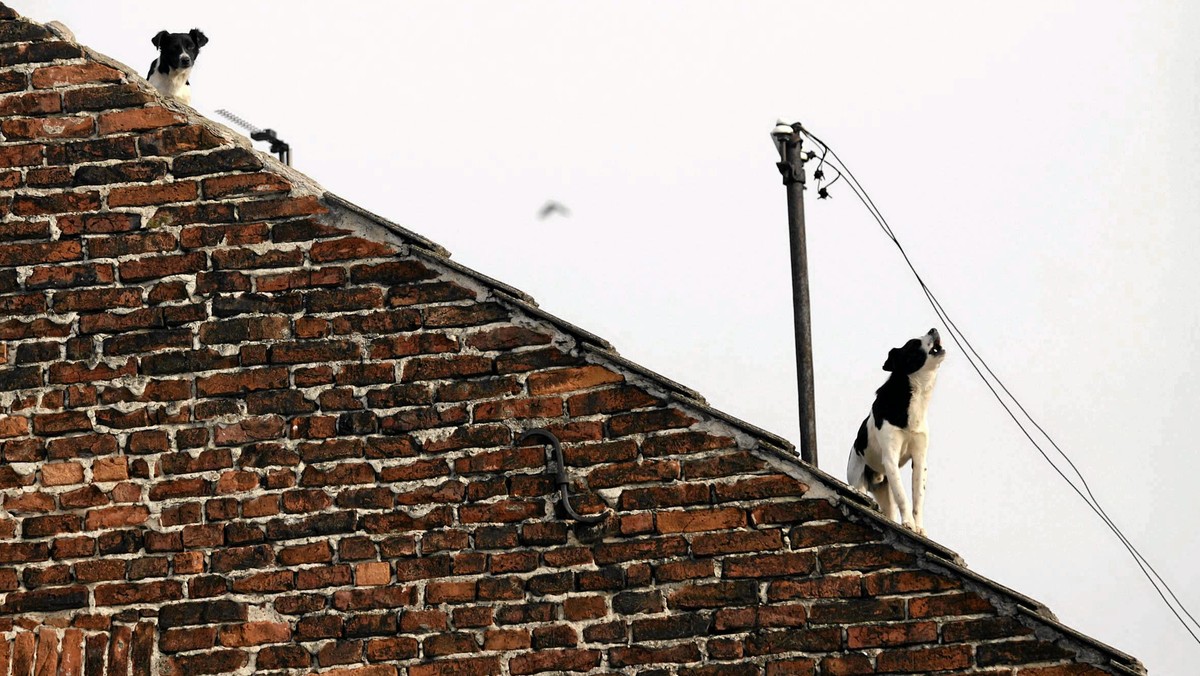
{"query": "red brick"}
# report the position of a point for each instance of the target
(771, 565)
(59, 276)
(634, 655)
(460, 666)
(116, 517)
(40, 253)
(62, 474)
(301, 279)
(13, 426)
(48, 127)
(56, 76)
(374, 573)
(924, 659)
(373, 670)
(192, 638)
(244, 184)
(32, 103)
(733, 619)
(254, 633)
(696, 520)
(144, 195)
(944, 605)
(652, 471)
(21, 156)
(736, 542)
(75, 224)
(882, 635)
(155, 267)
(109, 470)
(121, 594)
(830, 586)
(348, 248)
(437, 368)
(241, 382)
(257, 210)
(569, 379)
(249, 429)
(138, 119)
(554, 660)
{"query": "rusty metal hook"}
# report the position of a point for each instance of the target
(560, 476)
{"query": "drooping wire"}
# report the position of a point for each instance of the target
(973, 356)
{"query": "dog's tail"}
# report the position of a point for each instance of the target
(858, 473)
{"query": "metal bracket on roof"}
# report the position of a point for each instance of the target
(560, 476)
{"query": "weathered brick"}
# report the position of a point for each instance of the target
(31, 103)
(128, 172)
(919, 660)
(155, 267)
(62, 276)
(349, 248)
(137, 119)
(37, 52)
(256, 210)
(48, 127)
(21, 156)
(642, 422)
(39, 253)
(84, 300)
(55, 76)
(244, 184)
(145, 195)
(121, 594)
(101, 223)
(823, 639)
(241, 382)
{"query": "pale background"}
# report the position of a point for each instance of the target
(1039, 160)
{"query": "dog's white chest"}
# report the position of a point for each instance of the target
(918, 406)
(173, 84)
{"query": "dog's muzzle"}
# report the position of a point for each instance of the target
(937, 348)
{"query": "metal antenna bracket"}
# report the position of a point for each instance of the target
(560, 476)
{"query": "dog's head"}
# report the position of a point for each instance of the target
(178, 51)
(919, 354)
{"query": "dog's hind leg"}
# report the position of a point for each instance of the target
(883, 495)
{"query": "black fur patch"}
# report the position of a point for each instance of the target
(860, 441)
(893, 397)
(891, 401)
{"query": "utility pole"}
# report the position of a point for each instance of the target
(791, 167)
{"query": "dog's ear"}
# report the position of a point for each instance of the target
(197, 37)
(158, 38)
(893, 360)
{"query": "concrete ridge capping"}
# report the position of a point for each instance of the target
(776, 449)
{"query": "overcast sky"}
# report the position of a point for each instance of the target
(1038, 160)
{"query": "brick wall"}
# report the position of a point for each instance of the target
(247, 427)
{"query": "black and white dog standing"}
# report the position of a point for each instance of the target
(896, 431)
(177, 54)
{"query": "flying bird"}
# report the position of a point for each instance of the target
(551, 207)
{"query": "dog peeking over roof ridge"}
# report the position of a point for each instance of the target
(177, 54)
(896, 432)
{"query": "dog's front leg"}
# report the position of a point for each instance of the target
(892, 444)
(917, 447)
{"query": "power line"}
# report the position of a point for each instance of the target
(829, 156)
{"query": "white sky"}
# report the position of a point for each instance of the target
(1038, 160)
